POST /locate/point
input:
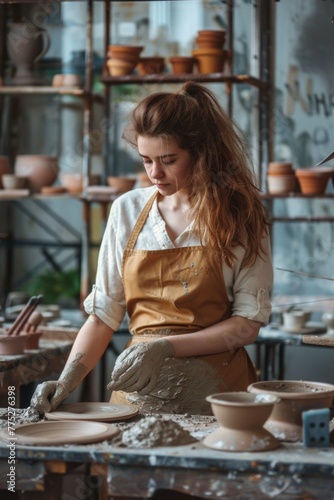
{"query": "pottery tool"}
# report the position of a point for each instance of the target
(329, 157)
(24, 315)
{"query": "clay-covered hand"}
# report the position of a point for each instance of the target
(49, 395)
(138, 367)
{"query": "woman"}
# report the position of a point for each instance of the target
(188, 259)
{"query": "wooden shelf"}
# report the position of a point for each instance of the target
(171, 78)
(36, 89)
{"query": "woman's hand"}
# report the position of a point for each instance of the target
(138, 367)
(49, 395)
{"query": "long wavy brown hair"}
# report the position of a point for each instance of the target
(222, 192)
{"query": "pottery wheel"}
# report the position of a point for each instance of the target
(55, 433)
(98, 412)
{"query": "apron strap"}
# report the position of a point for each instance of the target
(140, 222)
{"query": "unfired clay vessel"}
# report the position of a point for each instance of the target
(241, 416)
(295, 396)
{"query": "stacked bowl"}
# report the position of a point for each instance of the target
(210, 55)
(281, 178)
(122, 59)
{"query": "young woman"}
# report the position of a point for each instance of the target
(188, 259)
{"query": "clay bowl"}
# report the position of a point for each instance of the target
(41, 170)
(11, 345)
(150, 65)
(241, 416)
(210, 60)
(182, 64)
(74, 183)
(120, 67)
(285, 422)
(313, 180)
(12, 181)
(121, 184)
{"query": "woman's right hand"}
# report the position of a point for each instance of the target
(49, 395)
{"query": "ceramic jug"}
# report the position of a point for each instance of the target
(26, 44)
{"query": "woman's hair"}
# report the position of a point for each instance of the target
(225, 201)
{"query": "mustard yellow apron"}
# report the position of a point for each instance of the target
(177, 291)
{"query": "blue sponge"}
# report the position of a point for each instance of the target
(316, 428)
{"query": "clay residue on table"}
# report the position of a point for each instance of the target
(151, 432)
(22, 416)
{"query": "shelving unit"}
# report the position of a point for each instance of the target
(261, 81)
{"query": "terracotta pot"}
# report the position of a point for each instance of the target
(210, 60)
(118, 67)
(285, 422)
(213, 34)
(241, 416)
(73, 182)
(121, 184)
(4, 168)
(41, 170)
(182, 65)
(12, 344)
(150, 65)
(314, 180)
(282, 184)
(121, 50)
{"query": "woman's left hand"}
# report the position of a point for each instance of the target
(138, 367)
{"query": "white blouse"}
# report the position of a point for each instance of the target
(248, 288)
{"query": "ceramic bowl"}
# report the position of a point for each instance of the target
(121, 184)
(150, 65)
(285, 421)
(12, 181)
(210, 60)
(241, 416)
(41, 170)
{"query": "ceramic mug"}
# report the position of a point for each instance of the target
(294, 320)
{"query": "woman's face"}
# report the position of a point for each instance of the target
(168, 166)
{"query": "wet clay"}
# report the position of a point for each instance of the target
(179, 389)
(153, 431)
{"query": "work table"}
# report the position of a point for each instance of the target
(291, 468)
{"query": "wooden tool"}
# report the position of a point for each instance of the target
(24, 315)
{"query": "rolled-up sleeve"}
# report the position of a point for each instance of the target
(252, 286)
(106, 299)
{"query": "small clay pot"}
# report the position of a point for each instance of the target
(119, 67)
(121, 184)
(12, 344)
(182, 64)
(241, 416)
(150, 65)
(285, 421)
(41, 170)
(282, 183)
(313, 180)
(277, 168)
(121, 50)
(210, 60)
(12, 181)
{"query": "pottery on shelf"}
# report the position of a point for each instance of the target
(210, 60)
(74, 182)
(182, 64)
(150, 65)
(241, 416)
(282, 183)
(121, 184)
(4, 168)
(12, 181)
(40, 170)
(119, 67)
(285, 421)
(211, 39)
(26, 45)
(313, 180)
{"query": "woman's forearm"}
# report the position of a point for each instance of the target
(224, 336)
(89, 345)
